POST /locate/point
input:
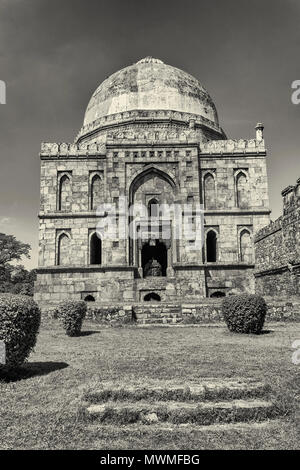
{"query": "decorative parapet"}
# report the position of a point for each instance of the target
(291, 203)
(152, 137)
(291, 198)
(233, 146)
(137, 116)
(273, 227)
(287, 190)
(63, 149)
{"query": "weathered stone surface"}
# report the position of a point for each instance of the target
(149, 85)
(182, 412)
(208, 311)
(146, 147)
(277, 248)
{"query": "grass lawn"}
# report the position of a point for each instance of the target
(39, 410)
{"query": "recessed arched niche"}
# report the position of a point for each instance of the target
(152, 297)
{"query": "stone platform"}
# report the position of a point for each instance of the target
(172, 313)
(208, 402)
(207, 311)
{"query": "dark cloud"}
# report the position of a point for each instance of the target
(54, 53)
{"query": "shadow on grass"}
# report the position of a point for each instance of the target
(29, 370)
(88, 333)
(239, 333)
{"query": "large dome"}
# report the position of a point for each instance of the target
(149, 85)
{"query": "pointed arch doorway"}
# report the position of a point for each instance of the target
(154, 259)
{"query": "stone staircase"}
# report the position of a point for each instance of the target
(157, 313)
(211, 402)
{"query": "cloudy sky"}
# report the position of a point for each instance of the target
(54, 53)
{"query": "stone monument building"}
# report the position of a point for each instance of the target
(150, 134)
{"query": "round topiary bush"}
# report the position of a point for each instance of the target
(72, 313)
(244, 313)
(20, 319)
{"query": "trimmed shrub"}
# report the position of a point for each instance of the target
(244, 313)
(20, 319)
(72, 313)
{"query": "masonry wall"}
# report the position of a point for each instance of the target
(229, 219)
(208, 311)
(55, 285)
(277, 250)
(173, 168)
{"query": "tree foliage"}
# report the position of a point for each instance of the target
(14, 279)
(11, 249)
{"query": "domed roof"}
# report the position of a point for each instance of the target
(149, 85)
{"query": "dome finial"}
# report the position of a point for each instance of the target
(150, 60)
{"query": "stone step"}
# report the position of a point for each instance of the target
(209, 389)
(157, 311)
(158, 321)
(177, 412)
(160, 315)
(169, 427)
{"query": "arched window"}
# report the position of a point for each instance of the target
(209, 191)
(242, 190)
(95, 249)
(211, 247)
(96, 192)
(64, 194)
(245, 247)
(153, 208)
(63, 250)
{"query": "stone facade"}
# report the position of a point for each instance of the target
(167, 150)
(277, 248)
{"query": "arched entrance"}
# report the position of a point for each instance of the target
(154, 189)
(154, 256)
(89, 298)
